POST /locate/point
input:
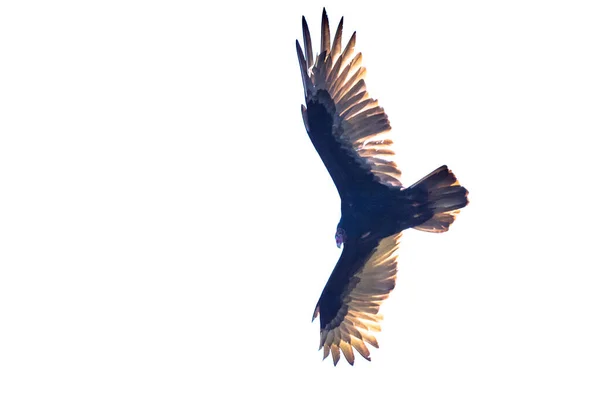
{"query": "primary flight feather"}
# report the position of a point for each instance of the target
(349, 131)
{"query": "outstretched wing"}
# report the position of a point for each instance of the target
(349, 305)
(346, 126)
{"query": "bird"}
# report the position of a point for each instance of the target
(351, 133)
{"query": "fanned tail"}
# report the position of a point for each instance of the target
(445, 197)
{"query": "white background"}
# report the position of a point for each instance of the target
(166, 227)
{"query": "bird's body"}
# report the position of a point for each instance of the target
(348, 130)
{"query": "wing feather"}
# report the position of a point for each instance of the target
(337, 41)
(360, 347)
(347, 350)
(307, 43)
(335, 353)
(324, 33)
(303, 69)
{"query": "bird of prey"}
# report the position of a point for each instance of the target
(347, 127)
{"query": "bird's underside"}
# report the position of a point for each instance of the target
(350, 131)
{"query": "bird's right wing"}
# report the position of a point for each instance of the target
(349, 305)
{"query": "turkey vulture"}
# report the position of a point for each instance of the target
(346, 127)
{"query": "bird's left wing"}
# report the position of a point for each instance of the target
(349, 305)
(346, 125)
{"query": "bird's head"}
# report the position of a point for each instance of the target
(340, 237)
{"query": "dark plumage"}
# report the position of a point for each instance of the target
(350, 130)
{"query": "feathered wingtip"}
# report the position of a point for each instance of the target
(305, 58)
(314, 72)
(337, 71)
(324, 32)
(303, 69)
(307, 42)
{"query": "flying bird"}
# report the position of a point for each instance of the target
(350, 131)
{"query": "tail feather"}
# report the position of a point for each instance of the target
(445, 197)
